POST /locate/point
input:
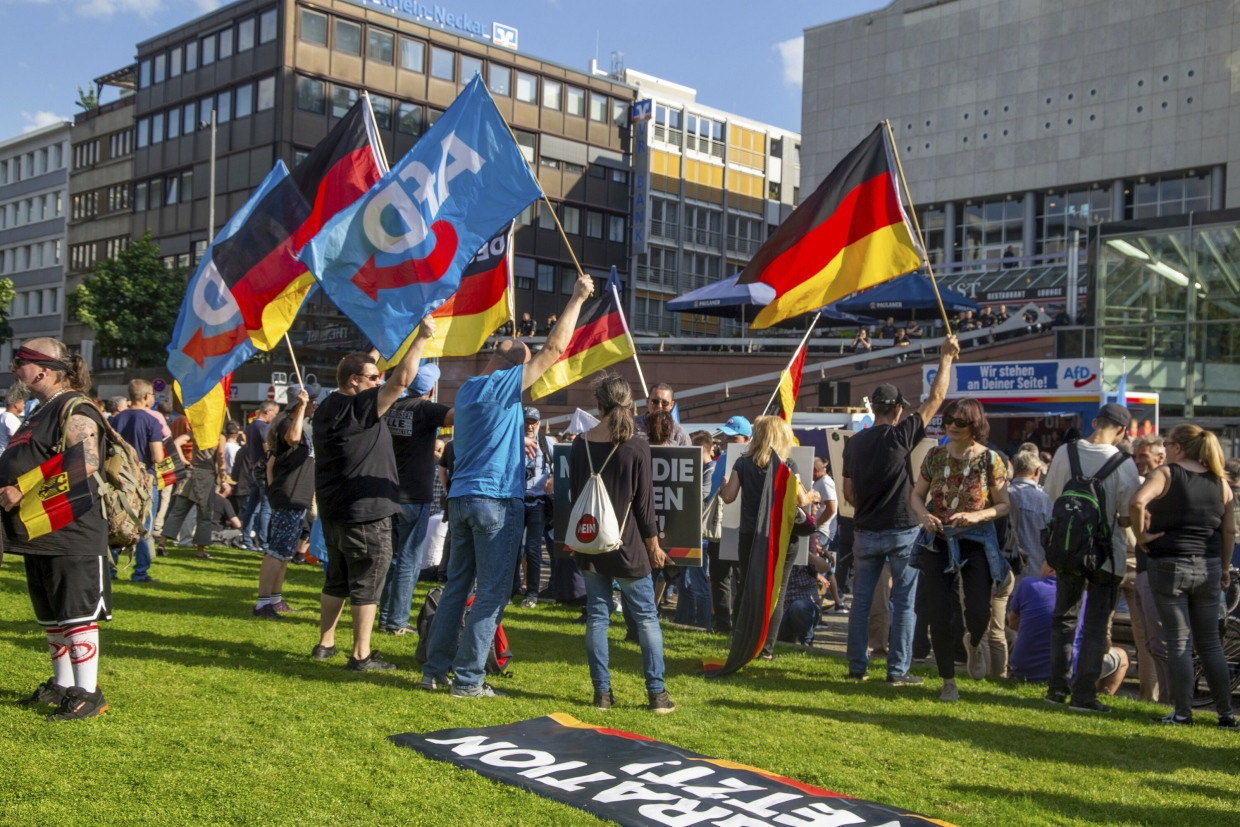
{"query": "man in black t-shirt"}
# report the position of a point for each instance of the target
(256, 513)
(878, 483)
(414, 422)
(356, 485)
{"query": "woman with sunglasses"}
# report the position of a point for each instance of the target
(1178, 515)
(961, 490)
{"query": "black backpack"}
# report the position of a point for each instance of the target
(1077, 539)
(498, 657)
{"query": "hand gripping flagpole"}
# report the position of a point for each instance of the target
(788, 369)
(296, 370)
(908, 196)
(628, 335)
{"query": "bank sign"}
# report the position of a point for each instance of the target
(1059, 377)
(445, 18)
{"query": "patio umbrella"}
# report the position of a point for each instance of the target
(903, 297)
(724, 298)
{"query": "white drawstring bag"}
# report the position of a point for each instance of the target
(592, 526)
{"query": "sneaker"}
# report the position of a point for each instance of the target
(1054, 696)
(161, 550)
(950, 692)
(905, 680)
(482, 690)
(1176, 720)
(78, 703)
(320, 652)
(47, 692)
(284, 608)
(399, 631)
(616, 605)
(978, 663)
(1092, 705)
(370, 663)
(839, 609)
(660, 703)
(1226, 722)
(530, 601)
(605, 700)
(858, 676)
(430, 683)
(269, 612)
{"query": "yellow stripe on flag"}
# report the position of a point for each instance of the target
(206, 417)
(567, 371)
(455, 335)
(279, 313)
(32, 513)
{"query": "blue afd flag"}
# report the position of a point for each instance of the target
(210, 338)
(399, 251)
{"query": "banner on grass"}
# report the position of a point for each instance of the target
(634, 780)
(677, 476)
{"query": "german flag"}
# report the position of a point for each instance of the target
(481, 304)
(259, 262)
(790, 384)
(55, 494)
(171, 469)
(601, 339)
(852, 233)
(206, 417)
(776, 514)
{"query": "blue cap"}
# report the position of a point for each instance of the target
(532, 414)
(737, 426)
(427, 376)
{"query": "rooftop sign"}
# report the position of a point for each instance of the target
(436, 15)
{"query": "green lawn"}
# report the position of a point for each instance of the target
(219, 718)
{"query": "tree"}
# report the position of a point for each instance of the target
(131, 302)
(88, 99)
(7, 294)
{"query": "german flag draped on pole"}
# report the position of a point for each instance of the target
(55, 494)
(776, 514)
(790, 383)
(600, 339)
(479, 306)
(850, 234)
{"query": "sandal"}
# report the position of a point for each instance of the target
(202, 555)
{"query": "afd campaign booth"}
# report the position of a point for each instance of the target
(1040, 401)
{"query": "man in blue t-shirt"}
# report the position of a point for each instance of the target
(486, 506)
(142, 431)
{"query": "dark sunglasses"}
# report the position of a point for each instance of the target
(373, 377)
(949, 421)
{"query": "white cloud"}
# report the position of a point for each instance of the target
(208, 5)
(792, 55)
(38, 120)
(108, 8)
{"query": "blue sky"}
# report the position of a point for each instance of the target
(742, 57)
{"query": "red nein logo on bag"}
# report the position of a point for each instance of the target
(587, 528)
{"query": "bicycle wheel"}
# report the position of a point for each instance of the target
(1230, 634)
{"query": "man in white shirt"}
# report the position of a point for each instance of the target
(1109, 426)
(11, 419)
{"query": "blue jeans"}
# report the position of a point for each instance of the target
(800, 618)
(408, 532)
(871, 550)
(1186, 592)
(531, 552)
(640, 603)
(1068, 591)
(142, 552)
(693, 602)
(256, 514)
(486, 534)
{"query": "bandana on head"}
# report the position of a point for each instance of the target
(34, 357)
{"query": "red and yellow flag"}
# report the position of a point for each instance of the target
(852, 233)
(790, 384)
(601, 339)
(55, 494)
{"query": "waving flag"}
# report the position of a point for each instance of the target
(400, 251)
(55, 494)
(776, 514)
(481, 304)
(852, 233)
(171, 469)
(206, 416)
(600, 339)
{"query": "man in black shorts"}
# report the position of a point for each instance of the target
(66, 573)
(357, 490)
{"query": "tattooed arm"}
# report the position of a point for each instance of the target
(82, 429)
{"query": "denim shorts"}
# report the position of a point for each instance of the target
(358, 557)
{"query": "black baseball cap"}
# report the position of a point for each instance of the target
(1116, 413)
(887, 396)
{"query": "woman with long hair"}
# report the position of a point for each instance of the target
(1181, 516)
(772, 437)
(623, 463)
(961, 490)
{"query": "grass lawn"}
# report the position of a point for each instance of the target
(218, 718)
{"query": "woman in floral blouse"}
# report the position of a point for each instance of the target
(962, 488)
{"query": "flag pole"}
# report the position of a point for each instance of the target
(300, 379)
(908, 196)
(628, 335)
(804, 340)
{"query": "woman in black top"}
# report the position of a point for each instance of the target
(1179, 517)
(624, 465)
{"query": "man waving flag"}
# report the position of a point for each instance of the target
(399, 252)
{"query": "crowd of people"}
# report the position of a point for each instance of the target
(946, 555)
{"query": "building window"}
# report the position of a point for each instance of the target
(313, 27)
(144, 74)
(594, 224)
(598, 107)
(245, 35)
(208, 50)
(615, 228)
(223, 111)
(546, 277)
(348, 37)
(571, 218)
(552, 90)
(433, 115)
(174, 123)
(568, 278)
(139, 196)
(619, 112)
(244, 99)
(159, 68)
(204, 110)
(546, 219)
(526, 140)
(144, 132)
(443, 64)
(172, 185)
(383, 111)
(342, 99)
(576, 104)
(174, 63)
(266, 98)
(469, 67)
(188, 122)
(380, 46)
(412, 55)
(500, 80)
(226, 43)
(187, 186)
(310, 95)
(267, 26)
(524, 283)
(620, 176)
(409, 119)
(527, 88)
